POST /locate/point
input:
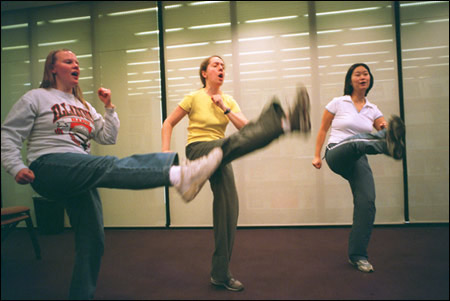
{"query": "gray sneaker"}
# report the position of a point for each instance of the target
(299, 118)
(395, 137)
(195, 173)
(363, 265)
(231, 284)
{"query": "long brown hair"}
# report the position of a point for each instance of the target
(204, 66)
(49, 81)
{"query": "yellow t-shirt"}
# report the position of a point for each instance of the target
(207, 121)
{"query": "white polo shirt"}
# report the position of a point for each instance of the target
(348, 121)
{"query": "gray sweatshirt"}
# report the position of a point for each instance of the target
(53, 122)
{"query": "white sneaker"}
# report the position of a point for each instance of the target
(231, 284)
(363, 265)
(195, 173)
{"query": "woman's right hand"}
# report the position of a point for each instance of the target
(218, 101)
(317, 162)
(105, 97)
(25, 176)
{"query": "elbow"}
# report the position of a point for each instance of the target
(114, 140)
(111, 140)
(165, 124)
(243, 123)
(163, 128)
(166, 127)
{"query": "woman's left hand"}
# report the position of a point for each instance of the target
(380, 123)
(105, 97)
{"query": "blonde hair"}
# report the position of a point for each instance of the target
(49, 81)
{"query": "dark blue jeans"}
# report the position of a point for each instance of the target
(348, 159)
(73, 179)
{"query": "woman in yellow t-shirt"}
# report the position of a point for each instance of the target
(209, 112)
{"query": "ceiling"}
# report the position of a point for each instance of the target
(15, 5)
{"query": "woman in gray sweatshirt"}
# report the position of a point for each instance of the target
(59, 125)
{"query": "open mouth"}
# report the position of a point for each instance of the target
(74, 73)
(221, 75)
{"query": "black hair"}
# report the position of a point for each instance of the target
(348, 88)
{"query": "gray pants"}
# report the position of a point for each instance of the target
(348, 159)
(255, 135)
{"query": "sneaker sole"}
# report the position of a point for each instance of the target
(395, 134)
(303, 105)
(195, 188)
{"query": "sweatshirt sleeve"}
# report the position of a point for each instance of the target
(107, 127)
(15, 129)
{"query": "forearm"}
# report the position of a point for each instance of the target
(319, 143)
(107, 128)
(327, 120)
(166, 135)
(12, 162)
(237, 119)
(11, 157)
(14, 131)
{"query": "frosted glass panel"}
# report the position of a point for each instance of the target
(116, 51)
(275, 184)
(268, 48)
(193, 33)
(272, 51)
(425, 72)
(69, 28)
(127, 62)
(360, 32)
(16, 81)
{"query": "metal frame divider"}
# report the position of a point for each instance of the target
(162, 67)
(398, 41)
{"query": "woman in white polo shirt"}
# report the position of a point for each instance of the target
(352, 118)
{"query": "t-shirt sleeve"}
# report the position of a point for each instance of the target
(377, 113)
(186, 103)
(332, 106)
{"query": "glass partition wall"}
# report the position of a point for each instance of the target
(349, 33)
(424, 30)
(114, 43)
(268, 48)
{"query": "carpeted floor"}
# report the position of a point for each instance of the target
(307, 263)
